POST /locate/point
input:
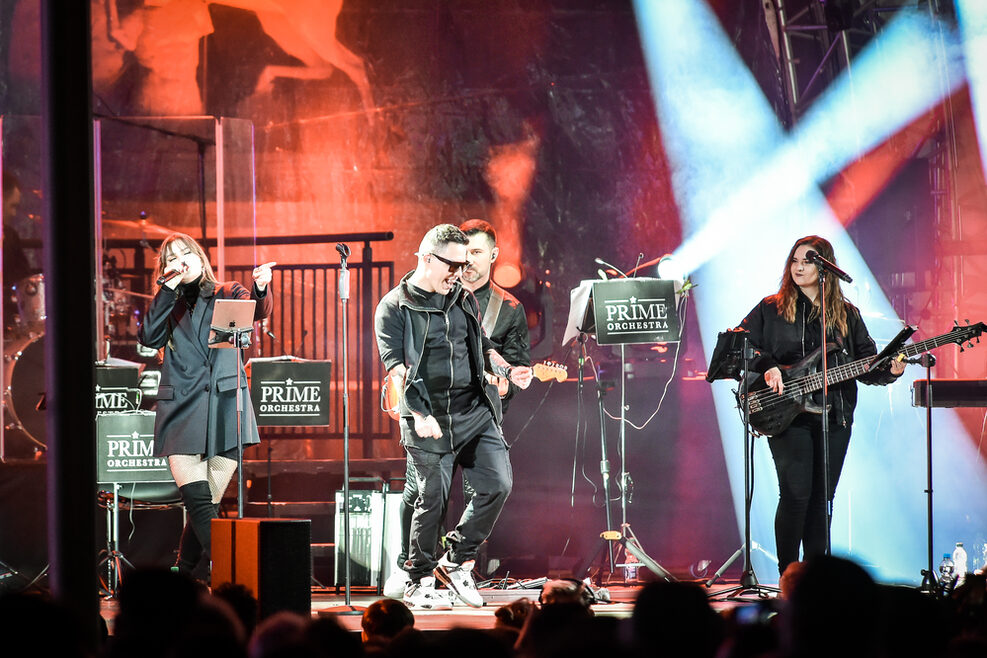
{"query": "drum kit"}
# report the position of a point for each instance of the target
(23, 336)
(24, 361)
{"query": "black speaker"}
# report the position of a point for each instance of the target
(271, 557)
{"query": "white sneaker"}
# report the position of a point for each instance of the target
(459, 579)
(396, 584)
(422, 596)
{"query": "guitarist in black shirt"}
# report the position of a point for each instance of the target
(784, 329)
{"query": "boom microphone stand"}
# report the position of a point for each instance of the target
(825, 404)
(824, 267)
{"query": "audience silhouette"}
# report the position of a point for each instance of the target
(830, 607)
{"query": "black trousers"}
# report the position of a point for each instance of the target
(801, 516)
(406, 508)
(482, 454)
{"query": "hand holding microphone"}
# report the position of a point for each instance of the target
(173, 273)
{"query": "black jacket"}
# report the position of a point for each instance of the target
(401, 327)
(782, 343)
(510, 333)
(196, 412)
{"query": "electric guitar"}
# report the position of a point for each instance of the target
(390, 395)
(771, 413)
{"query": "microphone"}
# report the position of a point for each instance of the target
(344, 273)
(814, 257)
(168, 276)
(263, 327)
(600, 261)
(925, 360)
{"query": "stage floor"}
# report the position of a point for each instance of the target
(329, 601)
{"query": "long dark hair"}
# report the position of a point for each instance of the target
(194, 247)
(787, 294)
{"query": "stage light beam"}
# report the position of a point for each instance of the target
(972, 18)
(746, 191)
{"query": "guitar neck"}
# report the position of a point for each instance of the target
(855, 369)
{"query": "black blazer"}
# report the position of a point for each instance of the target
(196, 412)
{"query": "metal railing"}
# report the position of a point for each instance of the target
(306, 324)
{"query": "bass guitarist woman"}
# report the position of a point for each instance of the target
(784, 329)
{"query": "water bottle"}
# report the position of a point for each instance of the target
(959, 562)
(946, 571)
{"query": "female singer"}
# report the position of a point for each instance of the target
(195, 427)
(784, 328)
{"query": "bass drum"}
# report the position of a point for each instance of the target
(24, 388)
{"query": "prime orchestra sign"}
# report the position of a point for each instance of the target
(635, 311)
(125, 443)
(290, 392)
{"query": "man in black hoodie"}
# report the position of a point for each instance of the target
(431, 344)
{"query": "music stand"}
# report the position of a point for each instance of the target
(731, 360)
(625, 311)
(230, 327)
(124, 445)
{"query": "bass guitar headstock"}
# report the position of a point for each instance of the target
(966, 333)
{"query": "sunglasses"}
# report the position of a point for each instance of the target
(454, 266)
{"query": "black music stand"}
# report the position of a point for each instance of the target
(301, 382)
(731, 360)
(124, 445)
(230, 327)
(287, 391)
(624, 311)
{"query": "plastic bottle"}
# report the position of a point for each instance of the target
(959, 562)
(946, 571)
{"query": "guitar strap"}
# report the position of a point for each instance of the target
(493, 309)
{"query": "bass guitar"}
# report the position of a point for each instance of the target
(771, 413)
(390, 395)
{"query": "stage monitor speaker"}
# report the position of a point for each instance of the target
(271, 557)
(375, 528)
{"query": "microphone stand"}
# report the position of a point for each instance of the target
(344, 295)
(825, 405)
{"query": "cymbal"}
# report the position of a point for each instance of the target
(130, 226)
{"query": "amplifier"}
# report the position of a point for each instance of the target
(375, 530)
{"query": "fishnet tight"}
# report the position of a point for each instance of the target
(216, 470)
